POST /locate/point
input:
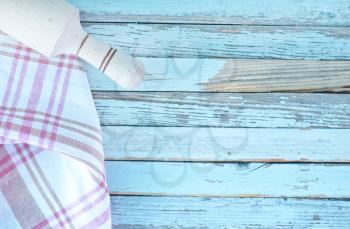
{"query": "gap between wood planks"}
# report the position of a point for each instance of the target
(243, 196)
(259, 198)
(244, 161)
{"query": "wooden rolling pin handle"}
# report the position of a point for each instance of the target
(125, 70)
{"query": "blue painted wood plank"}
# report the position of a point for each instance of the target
(234, 75)
(186, 212)
(281, 12)
(223, 41)
(228, 179)
(226, 144)
(176, 109)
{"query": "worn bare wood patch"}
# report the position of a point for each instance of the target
(276, 75)
(235, 75)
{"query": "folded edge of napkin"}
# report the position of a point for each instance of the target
(51, 156)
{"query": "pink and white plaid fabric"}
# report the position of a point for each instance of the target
(51, 156)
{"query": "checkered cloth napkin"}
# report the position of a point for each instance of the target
(51, 157)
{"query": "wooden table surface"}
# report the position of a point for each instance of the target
(227, 130)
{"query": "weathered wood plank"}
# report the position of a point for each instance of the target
(226, 41)
(226, 144)
(228, 179)
(235, 75)
(267, 12)
(188, 212)
(299, 110)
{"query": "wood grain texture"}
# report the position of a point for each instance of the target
(277, 75)
(199, 47)
(186, 212)
(241, 75)
(226, 144)
(228, 179)
(266, 12)
(226, 41)
(167, 109)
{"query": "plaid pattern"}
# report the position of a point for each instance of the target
(51, 157)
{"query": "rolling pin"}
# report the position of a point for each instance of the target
(52, 27)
